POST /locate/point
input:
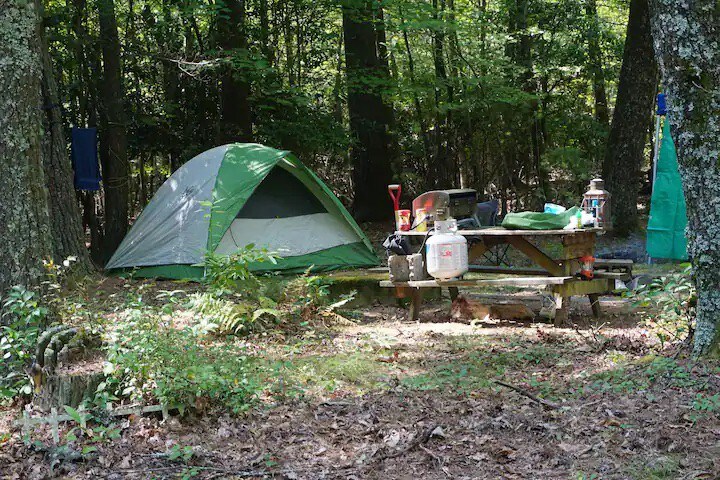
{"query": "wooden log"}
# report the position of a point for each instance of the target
(466, 310)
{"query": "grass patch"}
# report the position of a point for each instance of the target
(662, 468)
(642, 374)
(354, 373)
(478, 364)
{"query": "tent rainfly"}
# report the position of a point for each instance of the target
(235, 195)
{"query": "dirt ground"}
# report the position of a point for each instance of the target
(386, 398)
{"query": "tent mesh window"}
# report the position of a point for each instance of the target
(281, 195)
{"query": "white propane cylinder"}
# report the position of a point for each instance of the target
(446, 252)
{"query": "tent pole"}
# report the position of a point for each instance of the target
(656, 153)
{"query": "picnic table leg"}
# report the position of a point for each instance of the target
(454, 292)
(561, 309)
(415, 303)
(595, 305)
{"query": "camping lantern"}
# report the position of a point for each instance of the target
(587, 266)
(596, 201)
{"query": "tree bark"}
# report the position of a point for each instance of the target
(114, 137)
(65, 220)
(370, 153)
(595, 64)
(236, 118)
(445, 168)
(687, 43)
(24, 221)
(628, 133)
(527, 146)
(416, 99)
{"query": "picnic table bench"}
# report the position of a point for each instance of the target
(558, 274)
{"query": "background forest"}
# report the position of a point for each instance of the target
(510, 97)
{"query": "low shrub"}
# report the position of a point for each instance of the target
(670, 302)
(22, 321)
(239, 302)
(148, 359)
(231, 273)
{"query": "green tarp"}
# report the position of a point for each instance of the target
(668, 217)
(539, 220)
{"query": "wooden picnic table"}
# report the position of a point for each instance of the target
(558, 273)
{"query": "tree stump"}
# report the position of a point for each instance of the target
(68, 368)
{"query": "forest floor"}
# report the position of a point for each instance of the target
(381, 397)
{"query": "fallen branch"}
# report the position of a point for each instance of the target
(417, 441)
(529, 395)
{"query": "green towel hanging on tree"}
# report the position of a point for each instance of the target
(668, 217)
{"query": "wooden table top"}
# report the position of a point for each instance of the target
(506, 232)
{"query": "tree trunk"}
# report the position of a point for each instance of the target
(236, 123)
(265, 48)
(24, 223)
(527, 146)
(595, 64)
(416, 99)
(686, 42)
(65, 219)
(114, 137)
(443, 162)
(372, 170)
(628, 134)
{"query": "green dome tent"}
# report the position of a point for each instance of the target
(240, 194)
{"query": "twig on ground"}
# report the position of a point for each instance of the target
(529, 395)
(595, 340)
(440, 461)
(417, 441)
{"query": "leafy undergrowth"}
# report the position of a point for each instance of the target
(381, 398)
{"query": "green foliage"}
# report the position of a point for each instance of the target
(705, 406)
(472, 105)
(23, 319)
(671, 306)
(239, 302)
(654, 369)
(22, 305)
(220, 315)
(148, 358)
(180, 453)
(24, 315)
(231, 273)
(308, 292)
(87, 431)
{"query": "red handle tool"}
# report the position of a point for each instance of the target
(394, 191)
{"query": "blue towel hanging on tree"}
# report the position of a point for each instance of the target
(85, 159)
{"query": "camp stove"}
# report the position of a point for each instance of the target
(456, 203)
